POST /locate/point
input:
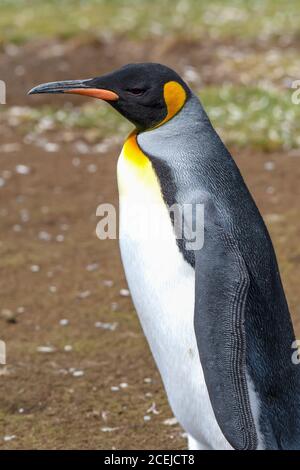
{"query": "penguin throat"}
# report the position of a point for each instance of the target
(135, 172)
(133, 153)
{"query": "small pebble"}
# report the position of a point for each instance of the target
(106, 326)
(170, 421)
(45, 236)
(9, 438)
(124, 292)
(269, 166)
(84, 294)
(35, 268)
(92, 168)
(51, 147)
(92, 267)
(22, 169)
(78, 373)
(8, 315)
(45, 349)
(123, 385)
(108, 429)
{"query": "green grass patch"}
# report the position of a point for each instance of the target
(21, 20)
(252, 117)
(101, 119)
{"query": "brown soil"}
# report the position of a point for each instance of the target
(213, 61)
(42, 403)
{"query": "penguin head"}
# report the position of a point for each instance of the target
(147, 94)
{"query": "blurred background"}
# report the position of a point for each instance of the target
(79, 373)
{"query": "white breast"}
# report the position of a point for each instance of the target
(162, 283)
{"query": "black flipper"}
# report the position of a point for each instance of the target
(222, 284)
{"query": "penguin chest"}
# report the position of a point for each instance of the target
(162, 285)
(160, 281)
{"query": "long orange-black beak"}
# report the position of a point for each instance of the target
(79, 87)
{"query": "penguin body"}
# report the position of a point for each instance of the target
(216, 316)
(155, 269)
(184, 154)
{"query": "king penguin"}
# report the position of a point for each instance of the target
(216, 317)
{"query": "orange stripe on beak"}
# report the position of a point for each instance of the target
(106, 95)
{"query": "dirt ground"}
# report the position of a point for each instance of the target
(95, 385)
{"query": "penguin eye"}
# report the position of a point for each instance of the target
(136, 91)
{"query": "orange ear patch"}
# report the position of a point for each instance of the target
(175, 97)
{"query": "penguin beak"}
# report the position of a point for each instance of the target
(78, 87)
